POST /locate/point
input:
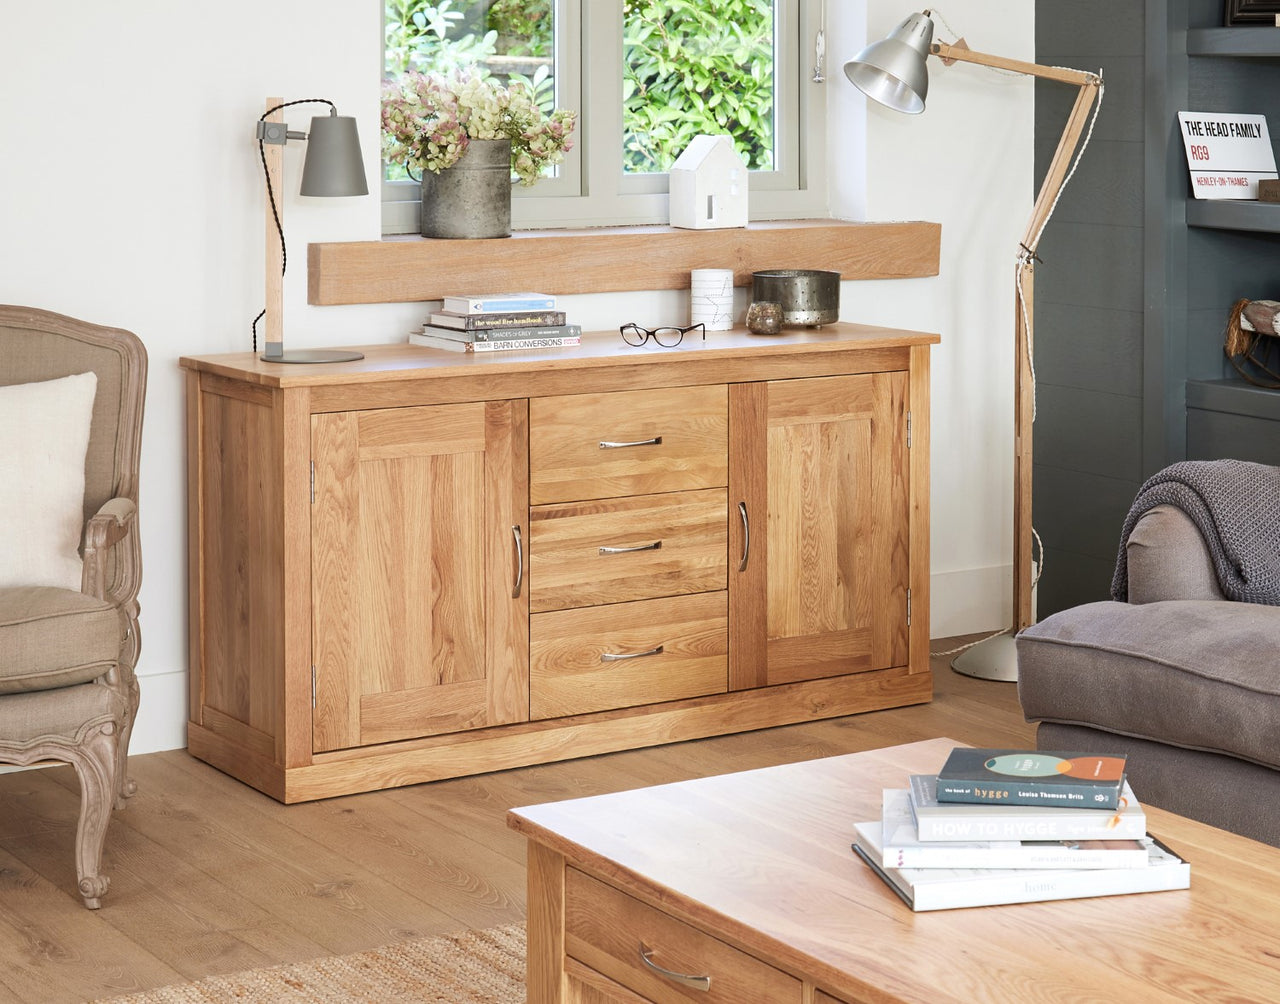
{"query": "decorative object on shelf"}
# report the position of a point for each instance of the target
(1252, 342)
(468, 134)
(1228, 154)
(1252, 12)
(333, 168)
(764, 317)
(809, 297)
(893, 72)
(1269, 190)
(708, 186)
(711, 298)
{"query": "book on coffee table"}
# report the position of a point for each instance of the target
(925, 889)
(973, 821)
(903, 847)
(1032, 777)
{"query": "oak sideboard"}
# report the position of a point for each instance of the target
(427, 564)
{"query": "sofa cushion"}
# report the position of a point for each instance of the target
(54, 638)
(64, 712)
(1200, 674)
(42, 449)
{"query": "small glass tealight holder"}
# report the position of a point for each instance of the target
(764, 317)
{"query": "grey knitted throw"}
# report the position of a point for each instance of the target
(1236, 506)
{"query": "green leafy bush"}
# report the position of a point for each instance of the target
(689, 66)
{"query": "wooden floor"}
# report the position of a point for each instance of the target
(209, 876)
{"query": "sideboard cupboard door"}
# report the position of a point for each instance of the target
(416, 520)
(819, 518)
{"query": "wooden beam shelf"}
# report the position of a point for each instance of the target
(612, 259)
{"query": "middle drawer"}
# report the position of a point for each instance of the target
(586, 553)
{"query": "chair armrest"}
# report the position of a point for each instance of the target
(106, 528)
(1169, 559)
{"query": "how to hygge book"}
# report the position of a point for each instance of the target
(951, 888)
(903, 848)
(1032, 777)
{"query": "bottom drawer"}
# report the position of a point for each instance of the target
(624, 654)
(632, 943)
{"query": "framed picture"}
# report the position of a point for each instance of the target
(1245, 12)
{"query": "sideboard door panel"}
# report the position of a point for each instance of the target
(412, 543)
(828, 490)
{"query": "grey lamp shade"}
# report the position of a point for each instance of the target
(892, 71)
(333, 165)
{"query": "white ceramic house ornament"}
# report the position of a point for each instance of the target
(708, 186)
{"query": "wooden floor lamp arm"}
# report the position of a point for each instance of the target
(1090, 85)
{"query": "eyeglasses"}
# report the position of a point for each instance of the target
(668, 337)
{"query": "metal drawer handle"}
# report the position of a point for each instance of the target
(746, 536)
(619, 656)
(655, 546)
(606, 445)
(515, 532)
(693, 982)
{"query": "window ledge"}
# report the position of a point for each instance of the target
(609, 259)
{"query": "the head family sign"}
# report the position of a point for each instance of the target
(1227, 154)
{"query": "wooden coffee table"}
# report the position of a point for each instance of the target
(743, 889)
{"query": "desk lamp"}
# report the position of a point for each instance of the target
(893, 72)
(332, 167)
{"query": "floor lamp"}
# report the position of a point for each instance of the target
(332, 167)
(893, 72)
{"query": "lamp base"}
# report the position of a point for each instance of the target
(313, 356)
(992, 659)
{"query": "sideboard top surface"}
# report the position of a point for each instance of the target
(599, 349)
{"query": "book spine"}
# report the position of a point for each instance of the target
(511, 334)
(1057, 856)
(486, 322)
(1024, 792)
(1039, 887)
(506, 344)
(1124, 826)
(497, 304)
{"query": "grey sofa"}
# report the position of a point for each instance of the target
(1183, 680)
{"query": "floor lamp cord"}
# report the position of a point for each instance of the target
(1039, 566)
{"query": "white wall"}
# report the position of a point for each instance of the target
(130, 195)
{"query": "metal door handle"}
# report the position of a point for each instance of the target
(746, 536)
(607, 445)
(619, 656)
(655, 546)
(515, 532)
(693, 982)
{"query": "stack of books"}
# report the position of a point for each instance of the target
(497, 321)
(1016, 826)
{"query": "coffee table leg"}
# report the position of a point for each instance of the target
(545, 977)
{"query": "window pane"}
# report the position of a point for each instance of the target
(691, 68)
(507, 39)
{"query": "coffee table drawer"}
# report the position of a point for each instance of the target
(623, 654)
(614, 550)
(633, 944)
(595, 446)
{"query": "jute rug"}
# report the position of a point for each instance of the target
(472, 967)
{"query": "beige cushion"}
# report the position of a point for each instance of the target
(64, 712)
(45, 434)
(54, 638)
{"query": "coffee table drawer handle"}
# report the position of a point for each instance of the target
(694, 982)
(606, 444)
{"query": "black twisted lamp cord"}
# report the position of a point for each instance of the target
(271, 196)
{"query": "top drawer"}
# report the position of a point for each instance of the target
(591, 446)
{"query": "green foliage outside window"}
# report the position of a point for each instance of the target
(689, 66)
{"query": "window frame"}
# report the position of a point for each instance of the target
(795, 189)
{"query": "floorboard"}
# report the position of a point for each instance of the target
(209, 876)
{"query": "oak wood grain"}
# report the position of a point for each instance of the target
(613, 258)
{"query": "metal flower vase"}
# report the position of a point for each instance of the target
(472, 198)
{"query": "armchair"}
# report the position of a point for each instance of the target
(1178, 672)
(69, 636)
